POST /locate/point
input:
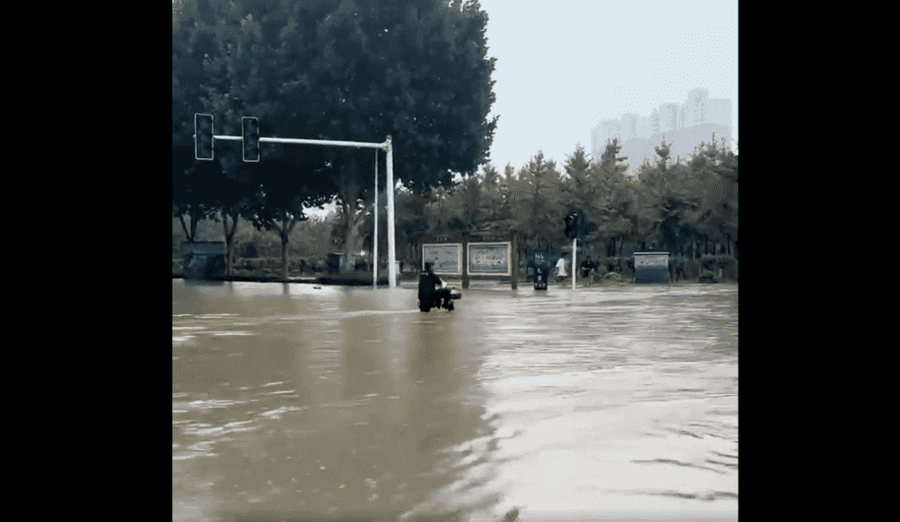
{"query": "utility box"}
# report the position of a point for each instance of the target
(336, 263)
(541, 264)
(651, 267)
(204, 259)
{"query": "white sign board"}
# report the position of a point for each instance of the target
(446, 258)
(489, 258)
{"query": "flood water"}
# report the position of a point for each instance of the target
(292, 402)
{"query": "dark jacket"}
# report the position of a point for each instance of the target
(429, 282)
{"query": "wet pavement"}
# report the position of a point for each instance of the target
(294, 402)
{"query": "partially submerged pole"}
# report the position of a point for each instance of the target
(375, 242)
(392, 267)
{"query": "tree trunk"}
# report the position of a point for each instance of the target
(192, 233)
(184, 227)
(194, 223)
(228, 244)
(229, 239)
(514, 260)
(621, 241)
(465, 262)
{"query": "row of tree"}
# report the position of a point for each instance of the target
(686, 207)
(338, 70)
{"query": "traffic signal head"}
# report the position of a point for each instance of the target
(203, 136)
(250, 138)
(572, 226)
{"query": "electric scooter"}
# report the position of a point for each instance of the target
(434, 301)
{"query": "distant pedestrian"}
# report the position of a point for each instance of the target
(561, 267)
(586, 266)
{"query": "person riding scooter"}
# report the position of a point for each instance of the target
(433, 293)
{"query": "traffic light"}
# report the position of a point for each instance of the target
(203, 136)
(572, 226)
(250, 138)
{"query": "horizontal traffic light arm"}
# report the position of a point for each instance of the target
(311, 142)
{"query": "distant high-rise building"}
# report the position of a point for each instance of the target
(603, 132)
(684, 126)
(612, 129)
(595, 139)
(719, 112)
(629, 127)
(696, 106)
(668, 117)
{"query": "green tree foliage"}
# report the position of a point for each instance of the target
(617, 215)
(582, 192)
(689, 203)
(414, 70)
(495, 204)
(538, 205)
(340, 70)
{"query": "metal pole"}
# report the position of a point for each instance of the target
(375, 243)
(392, 268)
(513, 263)
(574, 256)
(361, 144)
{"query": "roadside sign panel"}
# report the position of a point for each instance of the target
(651, 267)
(445, 257)
(489, 258)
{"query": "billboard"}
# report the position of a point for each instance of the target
(651, 267)
(446, 258)
(489, 258)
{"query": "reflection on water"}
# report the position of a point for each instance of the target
(290, 400)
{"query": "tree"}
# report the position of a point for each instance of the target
(538, 206)
(411, 208)
(190, 202)
(194, 40)
(726, 206)
(582, 192)
(417, 71)
(714, 177)
(616, 199)
(287, 186)
(233, 201)
(494, 208)
(210, 48)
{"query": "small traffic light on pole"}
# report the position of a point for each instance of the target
(250, 138)
(572, 226)
(203, 136)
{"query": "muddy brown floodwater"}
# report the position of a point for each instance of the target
(299, 403)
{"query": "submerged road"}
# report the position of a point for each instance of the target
(299, 402)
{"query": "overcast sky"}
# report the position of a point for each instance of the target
(563, 66)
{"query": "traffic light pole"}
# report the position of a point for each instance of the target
(386, 146)
(375, 242)
(574, 260)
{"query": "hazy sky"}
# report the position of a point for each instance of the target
(563, 66)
